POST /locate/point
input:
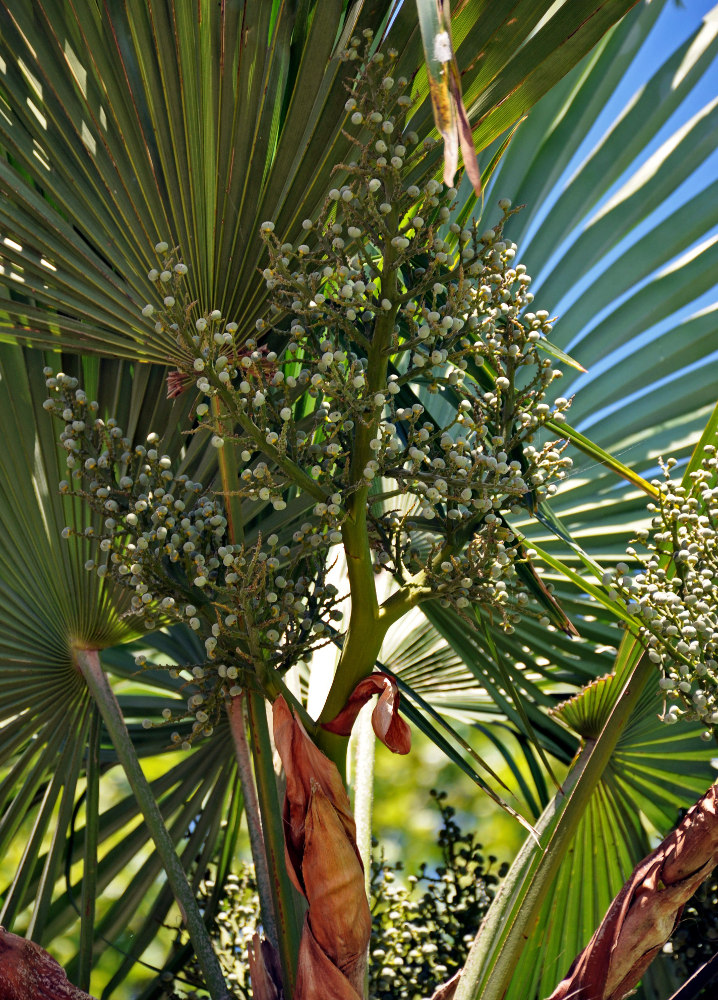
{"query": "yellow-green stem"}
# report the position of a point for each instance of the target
(228, 471)
(366, 629)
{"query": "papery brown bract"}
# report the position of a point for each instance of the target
(317, 977)
(447, 991)
(27, 972)
(334, 884)
(388, 725)
(304, 764)
(261, 974)
(324, 864)
(645, 912)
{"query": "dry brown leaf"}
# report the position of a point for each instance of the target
(645, 912)
(27, 972)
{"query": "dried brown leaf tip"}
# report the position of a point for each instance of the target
(447, 991)
(263, 970)
(324, 864)
(444, 78)
(388, 725)
(27, 972)
(645, 912)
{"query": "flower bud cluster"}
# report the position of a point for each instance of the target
(381, 299)
(380, 295)
(484, 573)
(675, 594)
(165, 538)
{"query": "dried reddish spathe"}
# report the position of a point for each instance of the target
(388, 725)
(305, 765)
(645, 912)
(324, 864)
(27, 972)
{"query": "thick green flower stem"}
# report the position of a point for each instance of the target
(236, 716)
(88, 662)
(496, 951)
(284, 896)
(366, 629)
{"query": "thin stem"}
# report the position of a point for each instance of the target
(283, 893)
(228, 471)
(235, 713)
(88, 662)
(292, 470)
(89, 871)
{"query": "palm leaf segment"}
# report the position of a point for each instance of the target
(127, 124)
(634, 283)
(633, 315)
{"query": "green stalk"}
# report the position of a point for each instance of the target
(366, 630)
(282, 890)
(89, 870)
(497, 949)
(235, 713)
(88, 662)
(229, 474)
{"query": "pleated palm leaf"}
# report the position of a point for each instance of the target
(630, 316)
(126, 125)
(56, 755)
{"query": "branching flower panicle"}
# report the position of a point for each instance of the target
(381, 302)
(675, 594)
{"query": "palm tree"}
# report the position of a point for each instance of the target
(104, 157)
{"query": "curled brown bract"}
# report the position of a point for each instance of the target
(324, 864)
(645, 912)
(388, 725)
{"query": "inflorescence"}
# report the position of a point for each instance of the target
(381, 299)
(675, 594)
